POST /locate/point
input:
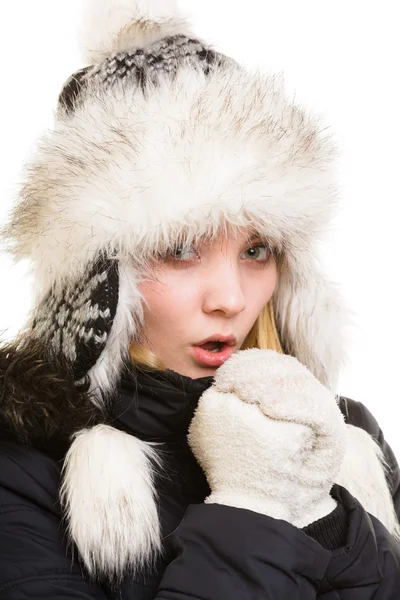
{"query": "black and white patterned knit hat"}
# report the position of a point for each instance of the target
(162, 139)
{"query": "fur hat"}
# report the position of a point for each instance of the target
(161, 140)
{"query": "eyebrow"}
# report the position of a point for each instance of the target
(256, 237)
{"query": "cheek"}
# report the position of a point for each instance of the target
(166, 299)
(260, 292)
(155, 296)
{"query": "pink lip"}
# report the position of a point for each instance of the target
(229, 340)
(211, 359)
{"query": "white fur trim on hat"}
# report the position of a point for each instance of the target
(109, 499)
(119, 25)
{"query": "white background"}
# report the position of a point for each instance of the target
(341, 59)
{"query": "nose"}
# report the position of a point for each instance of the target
(224, 291)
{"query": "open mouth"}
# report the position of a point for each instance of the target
(212, 354)
(213, 346)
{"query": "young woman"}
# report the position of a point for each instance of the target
(170, 427)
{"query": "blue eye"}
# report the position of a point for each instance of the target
(260, 253)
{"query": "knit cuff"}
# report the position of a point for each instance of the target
(330, 531)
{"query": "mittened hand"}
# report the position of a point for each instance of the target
(269, 437)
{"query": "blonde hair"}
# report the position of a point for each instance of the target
(263, 335)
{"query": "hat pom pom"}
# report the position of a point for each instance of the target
(111, 26)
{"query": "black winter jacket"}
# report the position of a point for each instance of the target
(211, 552)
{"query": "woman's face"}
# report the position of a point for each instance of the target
(217, 288)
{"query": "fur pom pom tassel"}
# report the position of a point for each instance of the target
(121, 25)
(363, 475)
(108, 496)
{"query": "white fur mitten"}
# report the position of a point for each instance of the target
(269, 437)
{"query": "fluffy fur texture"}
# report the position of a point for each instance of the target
(288, 471)
(39, 403)
(203, 158)
(109, 501)
(363, 474)
(311, 317)
(119, 25)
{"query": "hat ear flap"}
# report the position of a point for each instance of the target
(71, 94)
(76, 319)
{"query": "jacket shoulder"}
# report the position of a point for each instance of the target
(358, 415)
(37, 561)
(28, 476)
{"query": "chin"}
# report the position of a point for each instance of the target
(206, 372)
(197, 372)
